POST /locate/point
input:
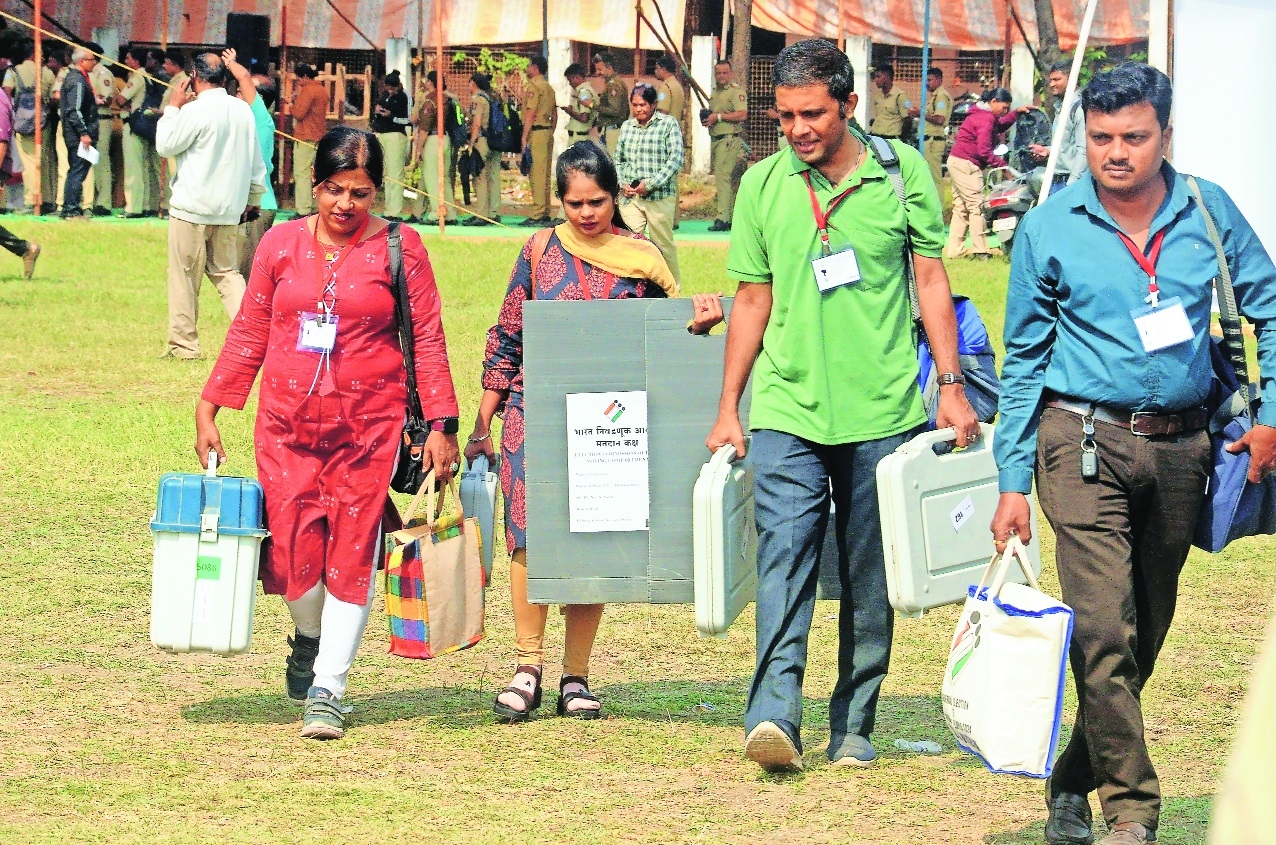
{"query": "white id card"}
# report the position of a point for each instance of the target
(833, 271)
(318, 332)
(1165, 325)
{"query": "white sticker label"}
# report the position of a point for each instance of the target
(833, 271)
(962, 513)
(1165, 326)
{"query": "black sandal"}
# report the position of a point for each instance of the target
(565, 699)
(531, 702)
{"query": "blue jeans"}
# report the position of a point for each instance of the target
(76, 172)
(791, 479)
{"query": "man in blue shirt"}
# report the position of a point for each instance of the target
(1107, 367)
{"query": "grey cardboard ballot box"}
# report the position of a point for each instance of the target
(622, 345)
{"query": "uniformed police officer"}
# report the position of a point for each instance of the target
(580, 108)
(671, 99)
(102, 80)
(613, 104)
(729, 108)
(939, 107)
(540, 116)
(890, 104)
(141, 163)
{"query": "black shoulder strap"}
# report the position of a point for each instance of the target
(889, 160)
(1229, 316)
(403, 315)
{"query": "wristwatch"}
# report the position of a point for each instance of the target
(951, 378)
(447, 425)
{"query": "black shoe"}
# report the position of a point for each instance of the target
(538, 222)
(137, 215)
(720, 226)
(1070, 819)
(301, 666)
(101, 211)
(49, 208)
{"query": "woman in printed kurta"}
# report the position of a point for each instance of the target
(329, 423)
(588, 257)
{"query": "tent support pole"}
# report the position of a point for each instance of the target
(1069, 95)
(921, 126)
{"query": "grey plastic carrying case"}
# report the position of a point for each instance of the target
(935, 512)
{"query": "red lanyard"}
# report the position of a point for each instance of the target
(584, 281)
(328, 274)
(1147, 262)
(821, 217)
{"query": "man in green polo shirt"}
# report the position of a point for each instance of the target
(822, 319)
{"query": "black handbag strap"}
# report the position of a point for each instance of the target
(403, 315)
(1233, 343)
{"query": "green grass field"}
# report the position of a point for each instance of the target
(106, 739)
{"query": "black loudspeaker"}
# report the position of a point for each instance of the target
(249, 36)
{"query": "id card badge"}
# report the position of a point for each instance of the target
(1163, 326)
(836, 270)
(318, 332)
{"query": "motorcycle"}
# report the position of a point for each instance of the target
(1011, 191)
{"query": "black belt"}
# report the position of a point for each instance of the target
(880, 135)
(1142, 423)
(536, 128)
(935, 138)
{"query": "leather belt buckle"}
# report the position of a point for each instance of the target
(1145, 424)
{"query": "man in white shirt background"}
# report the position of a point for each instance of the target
(220, 174)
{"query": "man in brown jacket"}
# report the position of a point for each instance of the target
(310, 122)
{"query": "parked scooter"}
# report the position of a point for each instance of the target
(1009, 192)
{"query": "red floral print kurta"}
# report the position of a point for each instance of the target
(325, 461)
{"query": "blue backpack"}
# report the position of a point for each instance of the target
(501, 135)
(974, 349)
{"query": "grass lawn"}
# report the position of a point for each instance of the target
(110, 740)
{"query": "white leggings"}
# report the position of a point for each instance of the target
(342, 624)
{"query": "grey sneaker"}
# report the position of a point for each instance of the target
(774, 748)
(851, 750)
(323, 719)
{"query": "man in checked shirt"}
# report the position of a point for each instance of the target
(648, 158)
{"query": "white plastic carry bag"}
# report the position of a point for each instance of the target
(1003, 685)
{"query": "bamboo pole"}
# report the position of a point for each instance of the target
(637, 39)
(841, 25)
(164, 25)
(39, 106)
(439, 202)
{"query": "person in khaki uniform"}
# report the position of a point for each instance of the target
(613, 103)
(939, 107)
(729, 107)
(141, 163)
(174, 64)
(23, 76)
(890, 104)
(103, 82)
(671, 98)
(310, 122)
(540, 117)
(580, 109)
(425, 149)
(487, 185)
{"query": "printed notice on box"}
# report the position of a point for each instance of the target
(607, 461)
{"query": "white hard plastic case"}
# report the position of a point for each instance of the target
(725, 542)
(935, 512)
(478, 499)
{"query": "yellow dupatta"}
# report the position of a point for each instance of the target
(626, 257)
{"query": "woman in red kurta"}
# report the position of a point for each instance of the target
(331, 411)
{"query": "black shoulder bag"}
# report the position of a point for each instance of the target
(410, 473)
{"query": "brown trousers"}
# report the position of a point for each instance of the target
(1122, 539)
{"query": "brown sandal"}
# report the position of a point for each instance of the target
(531, 701)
